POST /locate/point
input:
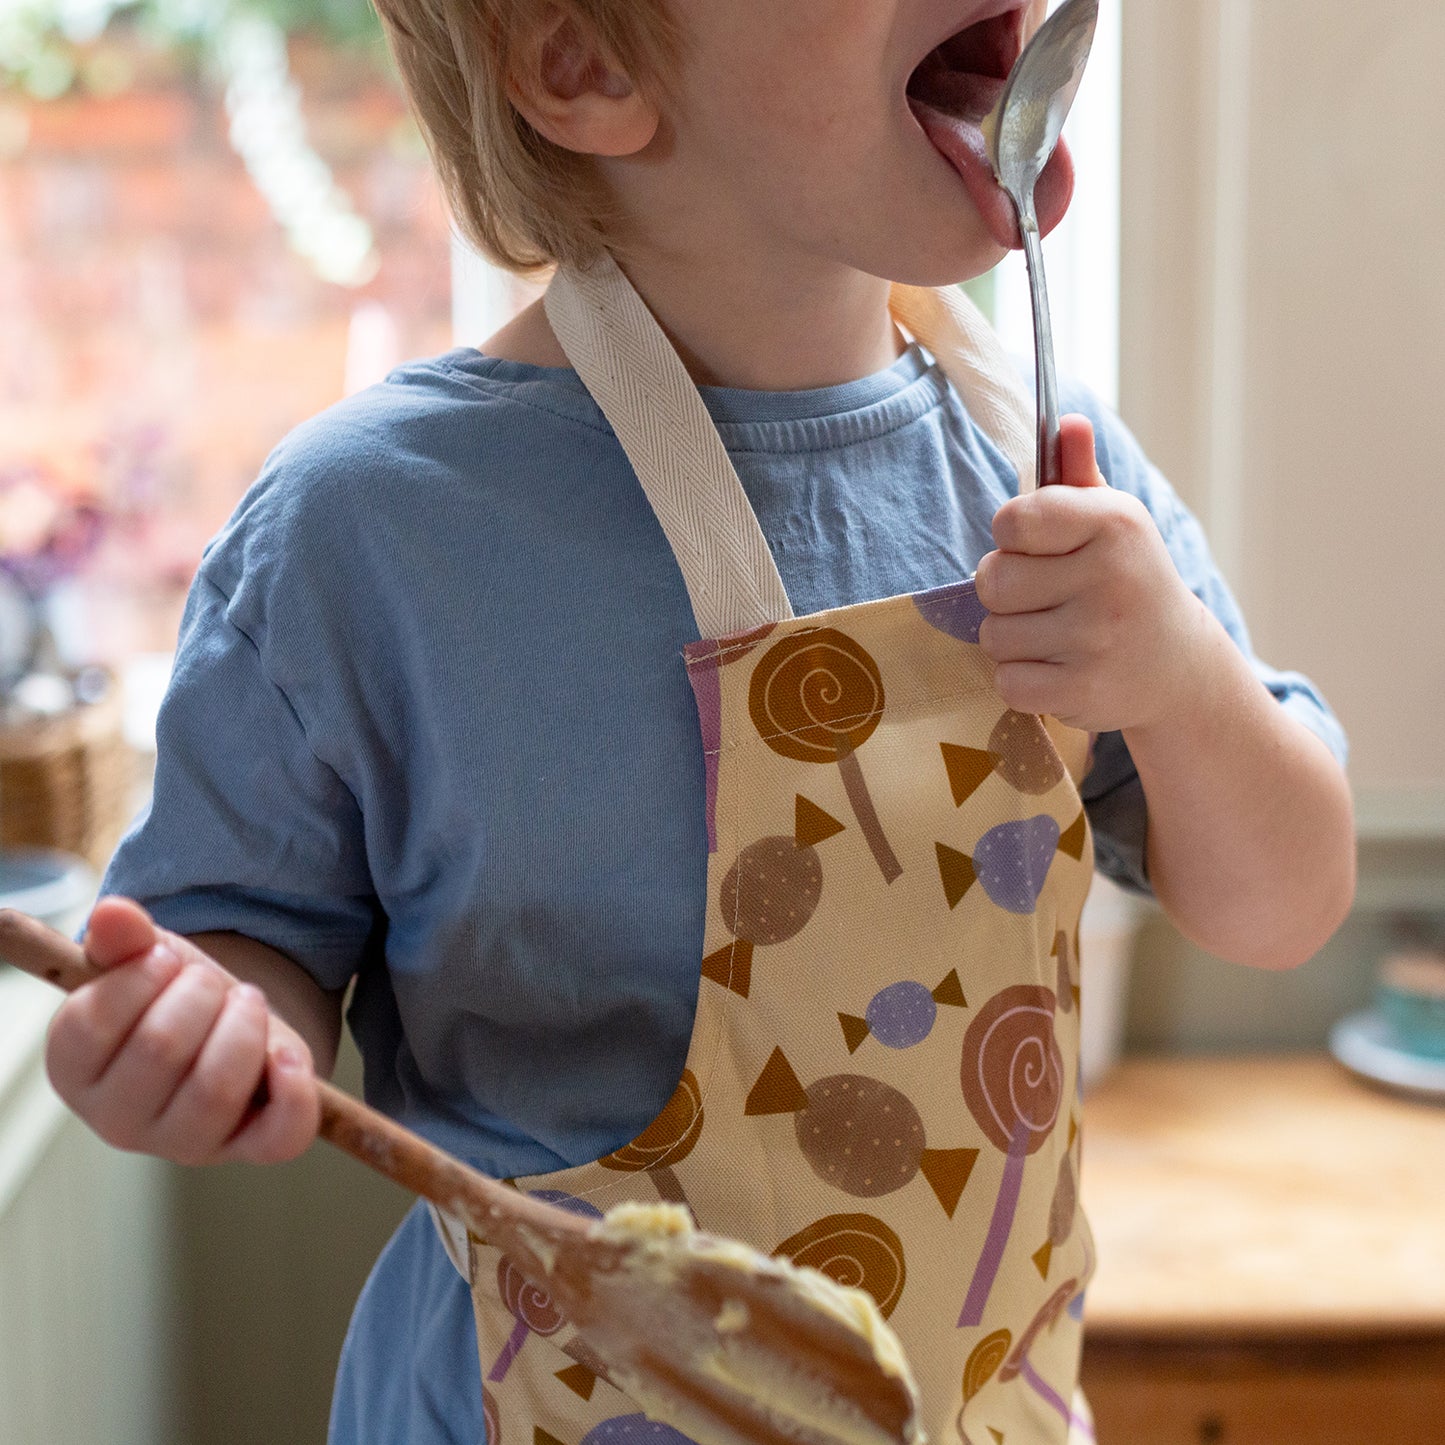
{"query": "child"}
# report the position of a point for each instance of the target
(434, 726)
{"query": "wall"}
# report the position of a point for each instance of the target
(1282, 306)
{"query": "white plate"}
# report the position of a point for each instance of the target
(1364, 1043)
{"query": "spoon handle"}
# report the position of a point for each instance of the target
(369, 1136)
(1046, 385)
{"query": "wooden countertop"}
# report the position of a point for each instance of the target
(1248, 1197)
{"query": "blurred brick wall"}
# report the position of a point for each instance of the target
(149, 302)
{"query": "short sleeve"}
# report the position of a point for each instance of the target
(1112, 792)
(247, 831)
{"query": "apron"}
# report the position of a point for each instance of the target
(882, 1079)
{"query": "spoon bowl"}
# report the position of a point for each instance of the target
(1022, 132)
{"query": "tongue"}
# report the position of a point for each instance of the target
(958, 137)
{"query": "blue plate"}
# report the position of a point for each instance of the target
(55, 887)
(1365, 1044)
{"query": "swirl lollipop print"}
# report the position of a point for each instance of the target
(1013, 1082)
(668, 1140)
(858, 1251)
(533, 1310)
(817, 697)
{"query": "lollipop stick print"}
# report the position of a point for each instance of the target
(533, 1310)
(991, 1256)
(867, 815)
(817, 697)
(1013, 1082)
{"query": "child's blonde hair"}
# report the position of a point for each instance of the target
(514, 195)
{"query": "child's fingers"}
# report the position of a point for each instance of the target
(155, 1058)
(288, 1124)
(212, 1099)
(118, 930)
(91, 1026)
(1078, 466)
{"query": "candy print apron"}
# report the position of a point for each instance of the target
(882, 1075)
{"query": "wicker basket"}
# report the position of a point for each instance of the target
(68, 782)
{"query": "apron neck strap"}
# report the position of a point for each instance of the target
(638, 380)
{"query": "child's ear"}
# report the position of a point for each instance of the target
(570, 90)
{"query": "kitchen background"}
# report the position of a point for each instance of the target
(215, 219)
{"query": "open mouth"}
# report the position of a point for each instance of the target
(964, 76)
(953, 88)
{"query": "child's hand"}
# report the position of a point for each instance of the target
(163, 1054)
(1088, 619)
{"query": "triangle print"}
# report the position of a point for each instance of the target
(777, 1090)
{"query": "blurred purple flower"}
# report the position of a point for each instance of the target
(48, 528)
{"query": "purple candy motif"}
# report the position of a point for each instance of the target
(954, 610)
(634, 1430)
(902, 1015)
(1013, 860)
(569, 1202)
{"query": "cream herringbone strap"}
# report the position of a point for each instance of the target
(637, 378)
(969, 351)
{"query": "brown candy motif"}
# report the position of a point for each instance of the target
(856, 1250)
(1065, 1204)
(1013, 1071)
(770, 893)
(860, 1135)
(492, 1417)
(1066, 989)
(816, 697)
(1027, 758)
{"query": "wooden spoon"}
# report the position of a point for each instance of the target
(724, 1343)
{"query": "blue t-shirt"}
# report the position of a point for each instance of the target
(429, 728)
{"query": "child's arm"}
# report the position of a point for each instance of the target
(163, 1054)
(1250, 828)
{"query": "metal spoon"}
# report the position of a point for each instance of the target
(1022, 131)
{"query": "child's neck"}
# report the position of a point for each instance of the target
(764, 332)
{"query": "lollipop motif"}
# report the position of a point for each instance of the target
(860, 1135)
(817, 697)
(1011, 861)
(705, 660)
(856, 1250)
(1018, 1361)
(492, 1417)
(1013, 1083)
(769, 894)
(668, 1140)
(983, 1362)
(531, 1307)
(903, 1014)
